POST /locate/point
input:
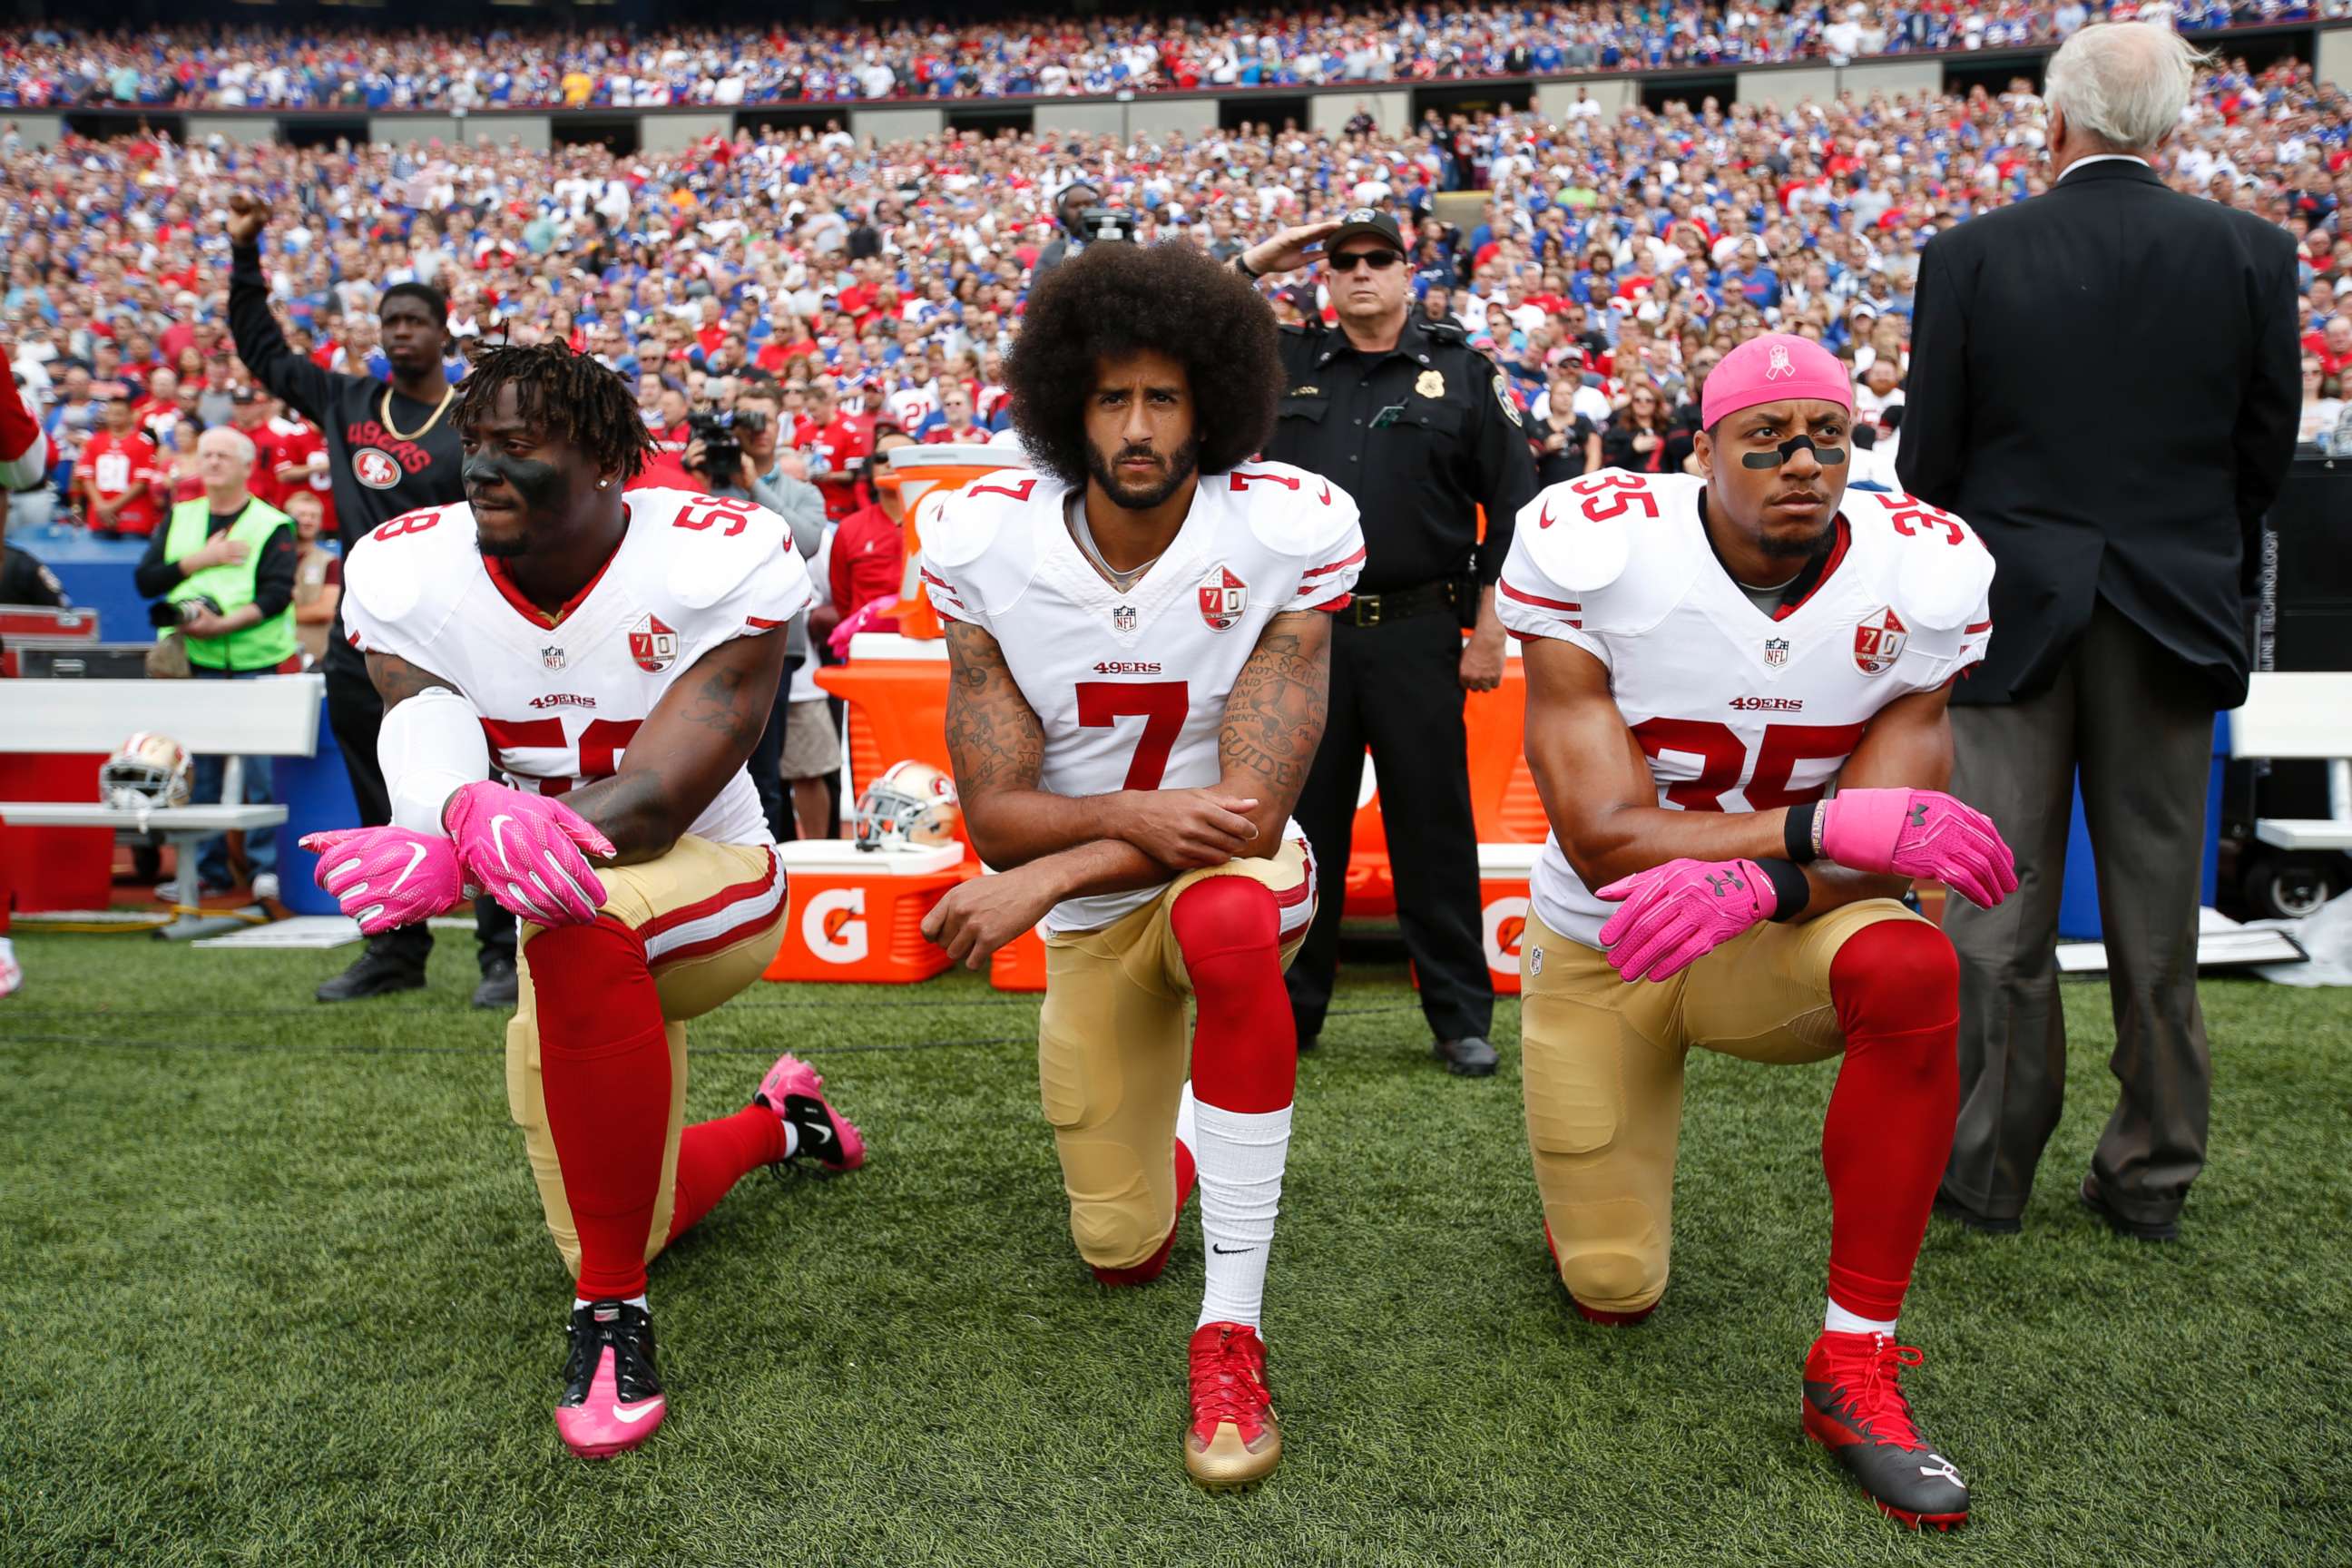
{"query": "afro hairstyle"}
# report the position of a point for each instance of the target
(1114, 300)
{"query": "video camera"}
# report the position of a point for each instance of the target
(1106, 224)
(722, 435)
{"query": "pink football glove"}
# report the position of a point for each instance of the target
(525, 851)
(1919, 833)
(387, 877)
(1677, 913)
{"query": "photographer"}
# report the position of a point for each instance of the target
(222, 566)
(1070, 212)
(734, 455)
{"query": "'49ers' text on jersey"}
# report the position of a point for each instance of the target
(560, 700)
(1736, 709)
(1130, 686)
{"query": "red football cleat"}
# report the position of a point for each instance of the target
(612, 1400)
(1855, 1407)
(1233, 1440)
(1145, 1272)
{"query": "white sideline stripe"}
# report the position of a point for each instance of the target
(744, 912)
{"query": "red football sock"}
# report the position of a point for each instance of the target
(1896, 986)
(712, 1156)
(604, 1069)
(1244, 1045)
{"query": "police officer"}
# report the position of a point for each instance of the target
(1421, 429)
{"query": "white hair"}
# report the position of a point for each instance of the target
(234, 439)
(2123, 83)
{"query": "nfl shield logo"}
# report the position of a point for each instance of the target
(1776, 652)
(1878, 642)
(551, 657)
(1123, 618)
(1223, 597)
(653, 644)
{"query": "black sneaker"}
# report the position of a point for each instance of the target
(382, 968)
(1855, 1407)
(611, 1401)
(498, 989)
(1469, 1058)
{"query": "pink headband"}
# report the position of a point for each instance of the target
(1773, 369)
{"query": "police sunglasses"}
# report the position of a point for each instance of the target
(1378, 261)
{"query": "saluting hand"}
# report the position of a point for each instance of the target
(1286, 251)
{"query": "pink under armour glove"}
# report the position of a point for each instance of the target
(1676, 914)
(525, 852)
(387, 877)
(1918, 833)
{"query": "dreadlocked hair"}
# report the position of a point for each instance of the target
(563, 393)
(1115, 299)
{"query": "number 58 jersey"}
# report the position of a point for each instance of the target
(1738, 709)
(560, 697)
(1130, 686)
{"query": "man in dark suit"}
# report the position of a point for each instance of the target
(2126, 514)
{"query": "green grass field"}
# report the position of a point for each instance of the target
(277, 1292)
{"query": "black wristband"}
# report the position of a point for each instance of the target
(1790, 891)
(1797, 835)
(1242, 266)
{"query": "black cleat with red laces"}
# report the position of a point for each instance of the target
(1855, 1407)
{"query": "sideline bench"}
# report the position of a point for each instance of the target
(2302, 716)
(272, 716)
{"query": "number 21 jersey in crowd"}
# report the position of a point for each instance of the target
(1738, 709)
(561, 696)
(1130, 686)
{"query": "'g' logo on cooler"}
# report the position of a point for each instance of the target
(1505, 923)
(375, 467)
(833, 925)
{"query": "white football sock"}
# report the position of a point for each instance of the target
(792, 1138)
(1840, 1321)
(1188, 1120)
(639, 1302)
(1239, 1156)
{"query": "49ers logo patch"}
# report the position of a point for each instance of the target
(375, 467)
(1223, 597)
(652, 644)
(1878, 642)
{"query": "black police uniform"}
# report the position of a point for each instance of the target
(24, 581)
(1422, 436)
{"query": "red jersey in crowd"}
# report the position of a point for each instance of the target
(114, 464)
(868, 563)
(298, 441)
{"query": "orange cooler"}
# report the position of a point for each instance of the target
(1502, 873)
(857, 915)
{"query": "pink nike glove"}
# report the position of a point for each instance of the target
(525, 851)
(387, 877)
(1918, 833)
(1676, 914)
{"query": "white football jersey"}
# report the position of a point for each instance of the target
(560, 701)
(1131, 686)
(1736, 709)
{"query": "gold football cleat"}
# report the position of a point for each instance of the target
(1234, 1440)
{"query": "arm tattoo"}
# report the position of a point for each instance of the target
(994, 740)
(718, 705)
(1276, 712)
(396, 680)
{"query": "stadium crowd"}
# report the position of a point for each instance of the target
(197, 68)
(855, 288)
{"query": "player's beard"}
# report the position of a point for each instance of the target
(1800, 547)
(1181, 464)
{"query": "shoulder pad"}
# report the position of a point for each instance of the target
(1450, 334)
(1573, 552)
(1629, 565)
(706, 564)
(1941, 568)
(966, 522)
(1291, 511)
(389, 577)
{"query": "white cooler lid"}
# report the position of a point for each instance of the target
(842, 857)
(1508, 859)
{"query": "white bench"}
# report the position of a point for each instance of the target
(271, 716)
(2302, 716)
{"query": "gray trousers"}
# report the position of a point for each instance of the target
(2139, 726)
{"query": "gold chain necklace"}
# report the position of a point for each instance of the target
(396, 433)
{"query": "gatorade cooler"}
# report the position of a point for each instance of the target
(1502, 873)
(857, 915)
(924, 477)
(1019, 964)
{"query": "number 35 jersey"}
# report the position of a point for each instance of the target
(1738, 709)
(1130, 686)
(561, 696)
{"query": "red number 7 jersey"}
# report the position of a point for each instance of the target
(1130, 686)
(1736, 709)
(560, 698)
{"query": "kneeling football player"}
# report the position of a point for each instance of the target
(1704, 658)
(1138, 639)
(613, 656)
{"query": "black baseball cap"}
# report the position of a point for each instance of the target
(1366, 220)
